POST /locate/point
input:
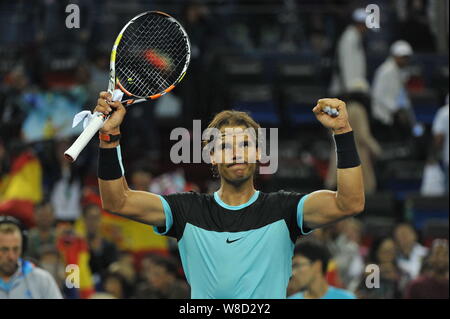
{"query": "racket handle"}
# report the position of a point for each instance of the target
(80, 143)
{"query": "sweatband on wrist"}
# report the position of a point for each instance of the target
(346, 152)
(110, 163)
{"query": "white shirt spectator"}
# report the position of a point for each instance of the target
(411, 264)
(352, 63)
(440, 127)
(66, 197)
(389, 93)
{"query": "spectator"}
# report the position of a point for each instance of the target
(141, 179)
(102, 252)
(410, 253)
(348, 253)
(433, 284)
(161, 281)
(12, 107)
(350, 59)
(327, 237)
(20, 279)
(415, 19)
(44, 234)
(66, 193)
(391, 106)
(99, 73)
(51, 261)
(125, 266)
(116, 285)
(74, 250)
(309, 269)
(440, 137)
(382, 254)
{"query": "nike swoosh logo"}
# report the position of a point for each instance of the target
(232, 241)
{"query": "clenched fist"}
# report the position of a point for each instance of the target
(105, 105)
(338, 124)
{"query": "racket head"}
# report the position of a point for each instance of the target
(150, 56)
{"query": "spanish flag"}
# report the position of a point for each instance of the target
(21, 188)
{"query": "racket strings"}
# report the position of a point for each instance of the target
(152, 55)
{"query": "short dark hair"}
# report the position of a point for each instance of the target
(314, 251)
(166, 262)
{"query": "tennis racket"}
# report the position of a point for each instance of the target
(149, 58)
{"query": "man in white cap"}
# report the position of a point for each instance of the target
(350, 60)
(389, 96)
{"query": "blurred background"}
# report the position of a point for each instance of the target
(272, 58)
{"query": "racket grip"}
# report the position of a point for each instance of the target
(80, 143)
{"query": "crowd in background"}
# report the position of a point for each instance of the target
(49, 73)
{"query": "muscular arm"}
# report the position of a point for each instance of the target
(116, 196)
(325, 207)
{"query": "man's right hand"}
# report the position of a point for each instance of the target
(105, 105)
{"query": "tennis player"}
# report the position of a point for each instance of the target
(237, 242)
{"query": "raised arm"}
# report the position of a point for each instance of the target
(325, 207)
(116, 196)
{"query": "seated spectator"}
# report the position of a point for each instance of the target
(348, 253)
(44, 234)
(51, 260)
(309, 269)
(102, 252)
(327, 236)
(410, 253)
(125, 266)
(162, 281)
(382, 254)
(116, 285)
(141, 180)
(433, 284)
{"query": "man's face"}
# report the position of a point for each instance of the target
(402, 61)
(158, 276)
(93, 219)
(303, 272)
(235, 155)
(10, 248)
(439, 259)
(45, 217)
(141, 180)
(405, 237)
(386, 252)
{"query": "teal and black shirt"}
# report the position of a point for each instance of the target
(235, 251)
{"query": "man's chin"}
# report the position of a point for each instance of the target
(8, 271)
(237, 181)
